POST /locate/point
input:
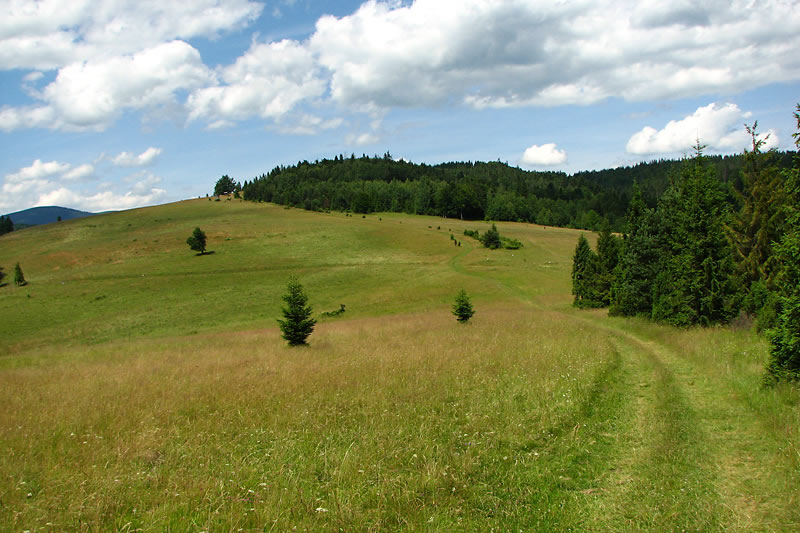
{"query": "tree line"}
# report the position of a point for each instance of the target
(6, 225)
(474, 190)
(707, 251)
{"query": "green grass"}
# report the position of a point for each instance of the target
(146, 388)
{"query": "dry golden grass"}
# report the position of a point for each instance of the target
(383, 422)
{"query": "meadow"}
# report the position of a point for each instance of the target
(145, 388)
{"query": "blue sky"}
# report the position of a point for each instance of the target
(114, 104)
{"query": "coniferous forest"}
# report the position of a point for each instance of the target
(482, 190)
(709, 251)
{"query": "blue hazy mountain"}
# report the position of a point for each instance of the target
(45, 215)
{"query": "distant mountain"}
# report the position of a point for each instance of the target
(44, 215)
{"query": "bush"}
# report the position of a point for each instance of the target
(491, 239)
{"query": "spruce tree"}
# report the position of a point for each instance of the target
(6, 225)
(636, 270)
(197, 241)
(297, 324)
(462, 308)
(19, 277)
(584, 275)
(608, 252)
(759, 222)
(784, 361)
(695, 283)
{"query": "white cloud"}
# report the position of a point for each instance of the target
(49, 34)
(119, 55)
(37, 171)
(100, 201)
(721, 128)
(92, 95)
(79, 173)
(268, 81)
(544, 155)
(56, 183)
(519, 53)
(362, 139)
(308, 125)
(128, 159)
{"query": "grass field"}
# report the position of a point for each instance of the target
(143, 387)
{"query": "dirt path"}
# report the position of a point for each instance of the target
(686, 452)
(692, 456)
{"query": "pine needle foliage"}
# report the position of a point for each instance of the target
(297, 323)
(695, 283)
(197, 241)
(462, 308)
(19, 277)
(635, 272)
(784, 362)
(585, 267)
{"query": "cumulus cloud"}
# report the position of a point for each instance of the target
(720, 127)
(308, 125)
(544, 155)
(78, 173)
(57, 183)
(100, 201)
(49, 34)
(268, 81)
(92, 95)
(119, 55)
(518, 53)
(38, 170)
(128, 159)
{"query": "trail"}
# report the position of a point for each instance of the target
(684, 451)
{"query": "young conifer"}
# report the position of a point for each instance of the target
(585, 275)
(297, 324)
(19, 277)
(462, 308)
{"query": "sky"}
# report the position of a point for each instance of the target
(116, 104)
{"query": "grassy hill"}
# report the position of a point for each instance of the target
(145, 387)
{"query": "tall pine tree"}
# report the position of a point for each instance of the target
(695, 283)
(784, 359)
(584, 275)
(608, 252)
(636, 269)
(759, 222)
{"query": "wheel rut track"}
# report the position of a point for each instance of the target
(682, 455)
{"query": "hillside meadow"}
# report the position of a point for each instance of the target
(145, 388)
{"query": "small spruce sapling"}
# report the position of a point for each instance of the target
(19, 277)
(297, 324)
(462, 308)
(197, 241)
